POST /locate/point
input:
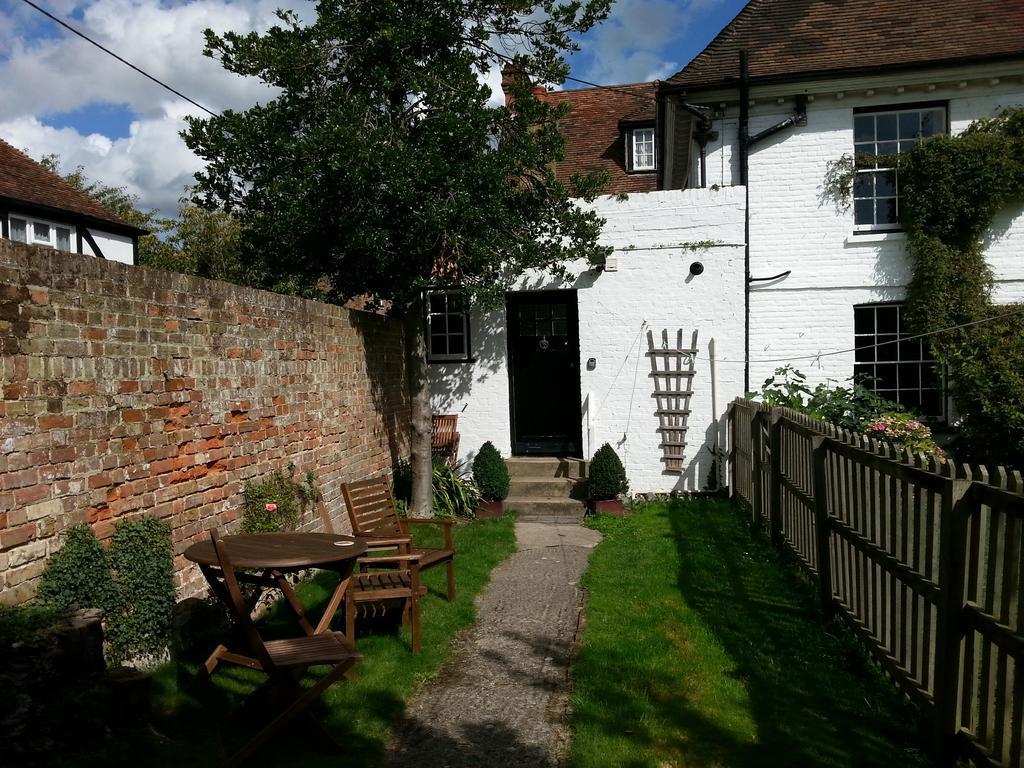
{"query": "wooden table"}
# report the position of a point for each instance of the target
(275, 555)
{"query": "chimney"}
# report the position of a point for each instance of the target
(512, 73)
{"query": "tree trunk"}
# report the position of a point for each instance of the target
(421, 504)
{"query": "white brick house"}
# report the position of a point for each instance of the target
(818, 73)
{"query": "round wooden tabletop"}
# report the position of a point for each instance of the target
(280, 550)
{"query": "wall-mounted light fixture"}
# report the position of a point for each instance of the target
(696, 268)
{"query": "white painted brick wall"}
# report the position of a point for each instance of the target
(651, 288)
(809, 312)
(791, 227)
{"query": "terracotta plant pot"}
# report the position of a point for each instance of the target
(609, 507)
(487, 509)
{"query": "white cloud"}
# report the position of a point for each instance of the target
(62, 73)
(629, 45)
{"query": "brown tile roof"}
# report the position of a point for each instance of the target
(801, 37)
(24, 180)
(593, 138)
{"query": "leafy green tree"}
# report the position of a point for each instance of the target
(381, 168)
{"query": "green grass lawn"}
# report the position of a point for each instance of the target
(703, 648)
(190, 712)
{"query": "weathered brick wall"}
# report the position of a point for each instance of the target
(134, 392)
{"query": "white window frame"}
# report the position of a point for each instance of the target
(456, 324)
(634, 134)
(863, 148)
(30, 231)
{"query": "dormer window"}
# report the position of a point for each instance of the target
(640, 145)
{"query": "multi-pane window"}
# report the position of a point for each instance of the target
(894, 366)
(641, 149)
(25, 230)
(543, 320)
(447, 326)
(877, 138)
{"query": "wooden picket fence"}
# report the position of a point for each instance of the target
(923, 559)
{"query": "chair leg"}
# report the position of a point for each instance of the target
(350, 621)
(415, 605)
(451, 581)
(297, 706)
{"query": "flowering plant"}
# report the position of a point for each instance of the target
(271, 507)
(904, 430)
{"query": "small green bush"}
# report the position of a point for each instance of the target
(143, 566)
(276, 502)
(78, 574)
(490, 473)
(454, 495)
(607, 478)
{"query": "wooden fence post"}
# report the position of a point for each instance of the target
(775, 479)
(731, 453)
(756, 476)
(957, 506)
(822, 526)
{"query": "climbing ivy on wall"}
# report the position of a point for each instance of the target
(951, 190)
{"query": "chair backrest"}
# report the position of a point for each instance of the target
(371, 508)
(444, 437)
(237, 604)
(444, 429)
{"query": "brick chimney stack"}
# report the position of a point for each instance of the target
(512, 73)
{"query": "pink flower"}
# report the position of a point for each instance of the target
(271, 507)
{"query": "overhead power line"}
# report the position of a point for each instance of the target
(124, 61)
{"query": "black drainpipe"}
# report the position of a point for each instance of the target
(799, 117)
(744, 129)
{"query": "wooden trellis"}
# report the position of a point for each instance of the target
(672, 370)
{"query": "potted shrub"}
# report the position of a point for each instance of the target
(607, 481)
(491, 477)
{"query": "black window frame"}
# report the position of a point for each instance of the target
(429, 324)
(893, 351)
(916, 106)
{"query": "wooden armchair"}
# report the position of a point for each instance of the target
(371, 510)
(444, 438)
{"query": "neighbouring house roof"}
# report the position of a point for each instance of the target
(788, 38)
(23, 180)
(593, 132)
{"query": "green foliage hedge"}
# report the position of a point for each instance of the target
(143, 565)
(490, 473)
(78, 574)
(952, 188)
(607, 477)
(132, 581)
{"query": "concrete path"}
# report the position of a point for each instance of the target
(500, 700)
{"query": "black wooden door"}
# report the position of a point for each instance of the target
(544, 351)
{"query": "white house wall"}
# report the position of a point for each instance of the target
(793, 228)
(650, 289)
(114, 247)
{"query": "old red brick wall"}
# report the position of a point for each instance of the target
(131, 392)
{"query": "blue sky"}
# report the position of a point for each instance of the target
(61, 95)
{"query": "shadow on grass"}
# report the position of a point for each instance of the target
(717, 658)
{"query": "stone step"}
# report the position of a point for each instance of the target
(546, 510)
(543, 467)
(546, 488)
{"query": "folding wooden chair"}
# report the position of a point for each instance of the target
(284, 661)
(371, 510)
